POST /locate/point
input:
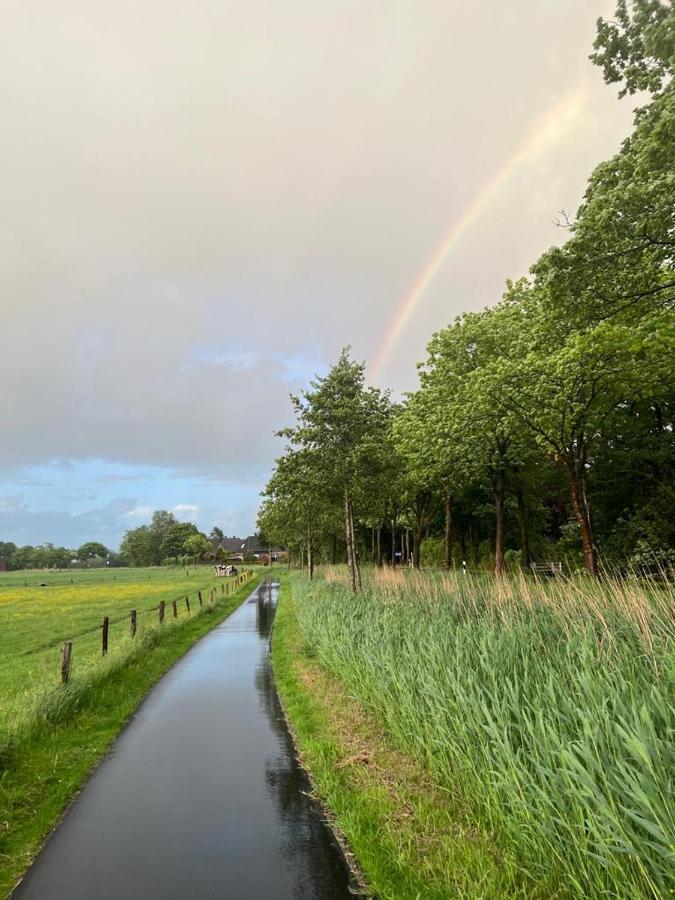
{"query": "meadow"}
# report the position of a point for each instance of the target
(51, 734)
(543, 709)
(35, 621)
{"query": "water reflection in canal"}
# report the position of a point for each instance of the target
(201, 796)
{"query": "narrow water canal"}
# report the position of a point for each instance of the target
(201, 795)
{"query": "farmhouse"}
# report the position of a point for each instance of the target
(239, 548)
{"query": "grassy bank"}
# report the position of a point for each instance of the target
(410, 837)
(543, 711)
(45, 759)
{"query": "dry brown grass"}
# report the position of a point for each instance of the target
(572, 600)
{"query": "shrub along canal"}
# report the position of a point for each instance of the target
(201, 795)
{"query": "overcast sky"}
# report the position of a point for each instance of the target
(203, 202)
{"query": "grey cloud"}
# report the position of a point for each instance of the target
(194, 203)
(26, 526)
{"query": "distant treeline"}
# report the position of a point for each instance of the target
(165, 541)
(91, 554)
(542, 428)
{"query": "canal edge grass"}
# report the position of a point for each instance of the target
(48, 766)
(402, 835)
(357, 882)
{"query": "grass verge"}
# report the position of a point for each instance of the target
(409, 837)
(44, 766)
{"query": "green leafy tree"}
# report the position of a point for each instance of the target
(92, 550)
(567, 389)
(637, 47)
(295, 512)
(618, 263)
(474, 438)
(197, 545)
(345, 424)
(174, 538)
(7, 552)
(139, 547)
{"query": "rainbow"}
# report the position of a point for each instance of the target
(545, 133)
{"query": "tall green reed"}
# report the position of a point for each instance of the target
(544, 706)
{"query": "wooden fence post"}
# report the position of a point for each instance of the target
(199, 594)
(222, 587)
(65, 661)
(187, 604)
(175, 609)
(132, 623)
(162, 604)
(104, 635)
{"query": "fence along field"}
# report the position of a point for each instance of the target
(38, 622)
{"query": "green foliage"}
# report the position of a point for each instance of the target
(139, 548)
(637, 47)
(45, 556)
(92, 550)
(197, 545)
(338, 456)
(544, 708)
(164, 539)
(175, 537)
(432, 552)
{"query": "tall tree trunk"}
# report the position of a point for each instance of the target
(447, 531)
(417, 540)
(462, 544)
(379, 544)
(310, 557)
(334, 549)
(350, 546)
(372, 543)
(576, 474)
(393, 540)
(355, 558)
(524, 528)
(499, 521)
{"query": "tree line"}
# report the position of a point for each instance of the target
(91, 554)
(167, 541)
(542, 427)
(164, 541)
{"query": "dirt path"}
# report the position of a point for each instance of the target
(201, 795)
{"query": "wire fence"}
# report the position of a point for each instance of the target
(172, 609)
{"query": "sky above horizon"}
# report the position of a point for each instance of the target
(202, 207)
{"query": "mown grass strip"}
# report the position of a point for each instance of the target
(47, 764)
(410, 838)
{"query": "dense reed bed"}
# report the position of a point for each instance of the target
(544, 706)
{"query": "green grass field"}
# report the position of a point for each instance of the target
(541, 710)
(52, 735)
(35, 621)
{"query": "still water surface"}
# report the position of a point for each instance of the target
(201, 796)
